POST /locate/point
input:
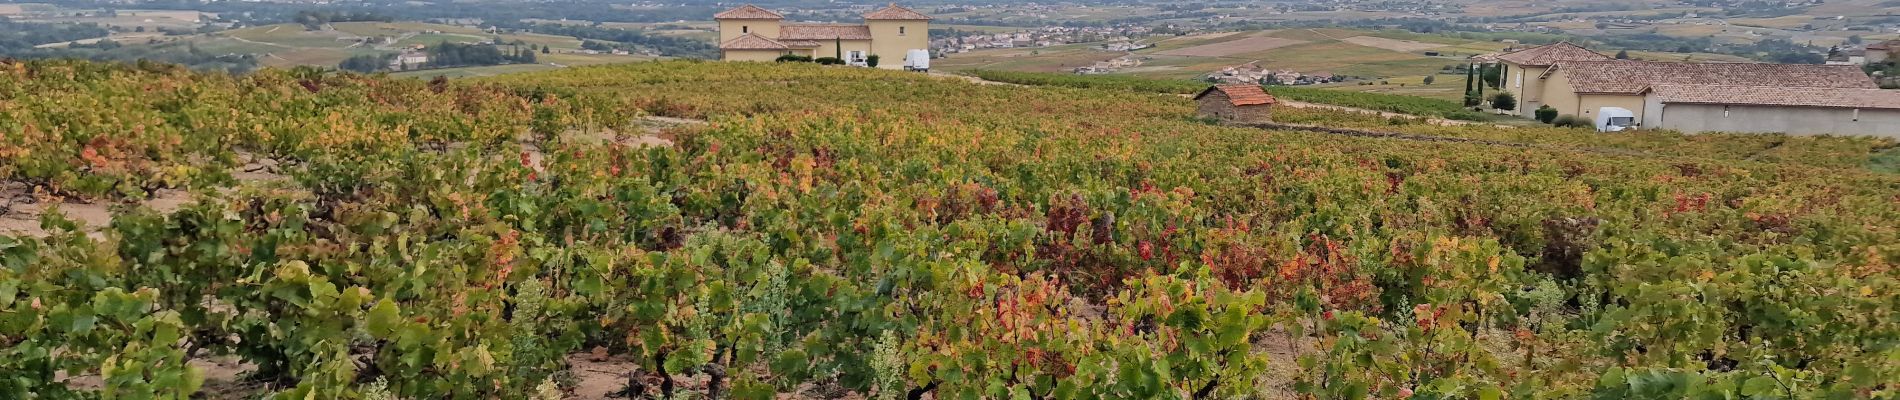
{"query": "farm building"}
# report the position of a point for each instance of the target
(1771, 109)
(1702, 97)
(750, 33)
(1236, 103)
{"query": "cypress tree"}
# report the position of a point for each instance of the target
(1481, 82)
(1470, 70)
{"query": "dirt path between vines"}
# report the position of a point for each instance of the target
(21, 207)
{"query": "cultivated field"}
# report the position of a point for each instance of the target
(1233, 47)
(1405, 46)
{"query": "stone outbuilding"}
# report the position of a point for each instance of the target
(1236, 103)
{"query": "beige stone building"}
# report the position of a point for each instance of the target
(1702, 97)
(750, 33)
(1523, 68)
(1236, 103)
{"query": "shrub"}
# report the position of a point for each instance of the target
(793, 58)
(829, 61)
(871, 61)
(1546, 114)
(1504, 101)
(1571, 121)
(1472, 99)
(1463, 115)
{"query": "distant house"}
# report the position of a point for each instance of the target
(1847, 57)
(750, 33)
(1236, 103)
(409, 60)
(1880, 52)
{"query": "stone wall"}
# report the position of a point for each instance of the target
(1217, 105)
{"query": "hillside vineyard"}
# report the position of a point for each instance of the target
(846, 231)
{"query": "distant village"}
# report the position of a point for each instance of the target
(1253, 73)
(1042, 37)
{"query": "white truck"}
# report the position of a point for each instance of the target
(917, 60)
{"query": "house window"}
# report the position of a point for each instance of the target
(900, 31)
(745, 29)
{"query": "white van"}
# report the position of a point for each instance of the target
(917, 60)
(1615, 119)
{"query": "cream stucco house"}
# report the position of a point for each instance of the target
(1700, 97)
(750, 33)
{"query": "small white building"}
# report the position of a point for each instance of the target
(1772, 109)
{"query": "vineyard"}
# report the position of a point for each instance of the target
(1402, 104)
(855, 233)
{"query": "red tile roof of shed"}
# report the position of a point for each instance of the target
(1241, 95)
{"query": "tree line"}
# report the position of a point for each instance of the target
(21, 36)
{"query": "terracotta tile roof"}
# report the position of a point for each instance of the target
(1631, 77)
(752, 41)
(823, 32)
(1241, 95)
(1887, 45)
(1777, 96)
(1550, 54)
(748, 12)
(800, 44)
(896, 12)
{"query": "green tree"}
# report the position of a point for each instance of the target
(1546, 114)
(1623, 55)
(1429, 79)
(1504, 101)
